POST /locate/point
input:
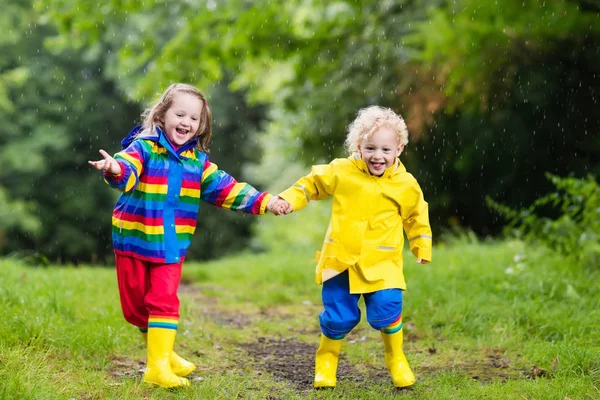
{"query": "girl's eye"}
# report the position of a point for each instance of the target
(179, 115)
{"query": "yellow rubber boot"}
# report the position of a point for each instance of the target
(395, 360)
(158, 369)
(179, 365)
(326, 362)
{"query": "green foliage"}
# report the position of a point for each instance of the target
(297, 57)
(512, 87)
(59, 112)
(566, 220)
(472, 46)
(17, 214)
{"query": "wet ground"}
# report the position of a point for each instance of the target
(291, 361)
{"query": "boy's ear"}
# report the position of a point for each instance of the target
(400, 149)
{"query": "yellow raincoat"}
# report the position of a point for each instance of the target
(365, 232)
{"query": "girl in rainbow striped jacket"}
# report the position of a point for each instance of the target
(163, 172)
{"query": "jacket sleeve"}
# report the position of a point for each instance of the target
(318, 185)
(415, 216)
(131, 161)
(222, 190)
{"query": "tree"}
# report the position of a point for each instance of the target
(519, 100)
(57, 110)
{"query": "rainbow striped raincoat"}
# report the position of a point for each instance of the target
(155, 216)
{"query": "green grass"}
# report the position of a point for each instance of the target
(485, 320)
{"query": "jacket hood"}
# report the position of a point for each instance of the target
(395, 169)
(131, 136)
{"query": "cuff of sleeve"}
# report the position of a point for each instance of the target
(424, 254)
(290, 197)
(115, 178)
(263, 205)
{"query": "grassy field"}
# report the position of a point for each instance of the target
(483, 321)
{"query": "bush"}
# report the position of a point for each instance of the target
(566, 220)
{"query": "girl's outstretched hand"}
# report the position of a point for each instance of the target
(109, 164)
(279, 206)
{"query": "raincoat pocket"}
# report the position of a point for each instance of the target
(381, 263)
(388, 271)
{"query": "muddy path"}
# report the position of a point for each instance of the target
(291, 360)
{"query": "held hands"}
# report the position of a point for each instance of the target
(279, 206)
(109, 164)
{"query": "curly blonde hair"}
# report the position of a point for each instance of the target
(369, 120)
(156, 112)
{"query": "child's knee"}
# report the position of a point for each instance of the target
(384, 308)
(335, 328)
(384, 323)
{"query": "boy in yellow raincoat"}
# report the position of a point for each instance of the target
(374, 200)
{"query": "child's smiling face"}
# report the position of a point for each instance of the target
(380, 150)
(182, 119)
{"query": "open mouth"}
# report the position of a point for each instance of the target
(182, 131)
(377, 165)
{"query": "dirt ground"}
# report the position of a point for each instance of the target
(291, 361)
